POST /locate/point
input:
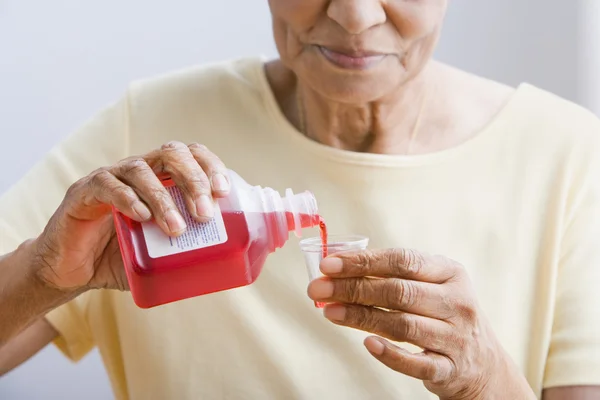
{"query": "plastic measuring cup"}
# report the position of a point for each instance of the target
(313, 250)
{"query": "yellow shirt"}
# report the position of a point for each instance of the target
(518, 205)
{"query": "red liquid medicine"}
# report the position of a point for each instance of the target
(224, 253)
(323, 232)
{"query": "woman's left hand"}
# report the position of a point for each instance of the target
(428, 301)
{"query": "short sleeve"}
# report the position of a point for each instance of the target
(8, 238)
(28, 205)
(75, 339)
(574, 354)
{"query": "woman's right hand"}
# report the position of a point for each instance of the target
(78, 249)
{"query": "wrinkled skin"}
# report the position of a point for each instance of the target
(79, 250)
(407, 296)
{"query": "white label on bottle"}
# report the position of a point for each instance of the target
(196, 236)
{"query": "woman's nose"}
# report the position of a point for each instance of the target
(357, 16)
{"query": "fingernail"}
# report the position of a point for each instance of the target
(220, 183)
(335, 312)
(204, 207)
(320, 289)
(175, 221)
(142, 211)
(375, 346)
(332, 265)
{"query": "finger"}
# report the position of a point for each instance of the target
(213, 167)
(136, 173)
(415, 297)
(426, 366)
(427, 333)
(189, 177)
(396, 263)
(104, 188)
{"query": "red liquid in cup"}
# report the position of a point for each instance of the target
(323, 232)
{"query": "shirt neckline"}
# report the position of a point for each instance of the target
(499, 123)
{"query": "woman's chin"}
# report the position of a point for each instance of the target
(352, 90)
(351, 86)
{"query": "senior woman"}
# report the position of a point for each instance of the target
(485, 199)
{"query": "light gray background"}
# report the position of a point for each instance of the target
(62, 60)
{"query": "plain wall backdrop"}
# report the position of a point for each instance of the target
(63, 60)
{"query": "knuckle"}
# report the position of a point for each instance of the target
(99, 171)
(354, 290)
(449, 264)
(460, 344)
(458, 268)
(199, 179)
(176, 158)
(401, 294)
(395, 259)
(100, 180)
(196, 184)
(107, 188)
(178, 161)
(436, 373)
(412, 261)
(465, 310)
(86, 190)
(362, 261)
(446, 306)
(407, 327)
(363, 319)
(124, 193)
(432, 374)
(197, 146)
(77, 187)
(160, 197)
(133, 166)
(172, 145)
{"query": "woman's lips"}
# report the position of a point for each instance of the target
(351, 60)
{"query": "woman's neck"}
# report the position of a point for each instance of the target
(387, 125)
(440, 108)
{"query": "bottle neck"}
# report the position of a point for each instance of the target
(301, 211)
(291, 213)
